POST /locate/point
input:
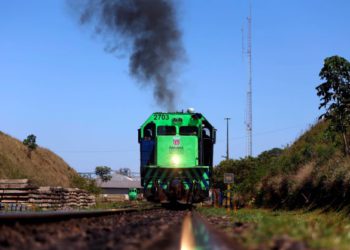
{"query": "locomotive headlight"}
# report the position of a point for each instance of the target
(175, 160)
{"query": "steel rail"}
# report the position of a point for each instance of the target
(197, 233)
(54, 216)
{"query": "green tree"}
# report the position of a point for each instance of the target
(86, 184)
(245, 174)
(30, 142)
(335, 95)
(104, 173)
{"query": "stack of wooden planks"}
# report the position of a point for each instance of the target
(21, 191)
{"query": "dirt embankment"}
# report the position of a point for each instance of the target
(43, 168)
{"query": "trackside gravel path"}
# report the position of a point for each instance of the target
(139, 230)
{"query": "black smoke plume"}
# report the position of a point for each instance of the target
(149, 31)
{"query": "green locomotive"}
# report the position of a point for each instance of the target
(176, 157)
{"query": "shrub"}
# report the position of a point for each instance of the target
(86, 184)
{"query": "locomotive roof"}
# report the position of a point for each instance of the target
(171, 115)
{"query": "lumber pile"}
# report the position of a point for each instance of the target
(22, 193)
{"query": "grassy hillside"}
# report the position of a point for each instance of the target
(43, 168)
(312, 172)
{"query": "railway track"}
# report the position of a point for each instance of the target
(197, 233)
(151, 228)
(52, 216)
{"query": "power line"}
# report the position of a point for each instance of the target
(264, 132)
(96, 151)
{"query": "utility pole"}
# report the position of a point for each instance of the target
(227, 138)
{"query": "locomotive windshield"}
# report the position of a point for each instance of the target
(188, 130)
(166, 130)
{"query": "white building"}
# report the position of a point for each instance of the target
(119, 184)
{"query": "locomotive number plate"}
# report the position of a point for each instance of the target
(161, 117)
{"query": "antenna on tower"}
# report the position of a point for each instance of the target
(249, 111)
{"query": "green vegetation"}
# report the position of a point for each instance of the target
(312, 172)
(86, 184)
(261, 227)
(30, 142)
(104, 173)
(335, 95)
(248, 172)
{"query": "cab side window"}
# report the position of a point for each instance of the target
(148, 145)
(149, 131)
(206, 133)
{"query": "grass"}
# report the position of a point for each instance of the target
(318, 229)
(44, 168)
(122, 204)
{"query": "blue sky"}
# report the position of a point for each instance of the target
(58, 83)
